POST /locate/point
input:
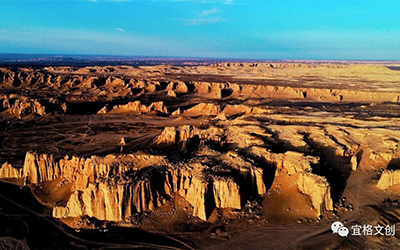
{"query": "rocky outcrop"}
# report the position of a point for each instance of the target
(182, 134)
(21, 106)
(178, 87)
(226, 194)
(292, 162)
(42, 167)
(203, 109)
(389, 178)
(7, 172)
(354, 163)
(171, 93)
(114, 188)
(119, 201)
(176, 112)
(317, 189)
(135, 108)
(24, 108)
(251, 174)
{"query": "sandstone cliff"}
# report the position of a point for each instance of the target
(135, 108)
(226, 193)
(182, 134)
(119, 201)
(317, 189)
(388, 179)
(39, 168)
(292, 162)
(7, 171)
(203, 109)
(114, 188)
(22, 106)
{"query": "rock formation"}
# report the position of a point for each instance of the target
(135, 108)
(243, 140)
(114, 188)
(317, 189)
(292, 162)
(182, 134)
(7, 171)
(389, 178)
(226, 193)
(178, 87)
(22, 106)
(203, 109)
(119, 201)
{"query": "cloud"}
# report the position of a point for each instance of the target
(208, 16)
(201, 20)
(208, 12)
(39, 40)
(121, 30)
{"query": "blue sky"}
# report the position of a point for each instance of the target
(254, 29)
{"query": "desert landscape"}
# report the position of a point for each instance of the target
(212, 155)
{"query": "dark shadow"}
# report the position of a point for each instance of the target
(394, 164)
(100, 81)
(84, 108)
(162, 86)
(191, 145)
(334, 168)
(226, 92)
(209, 199)
(190, 86)
(359, 156)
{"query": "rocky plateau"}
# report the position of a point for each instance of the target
(205, 155)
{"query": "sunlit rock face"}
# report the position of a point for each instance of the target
(389, 178)
(317, 188)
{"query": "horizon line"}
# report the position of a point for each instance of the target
(185, 57)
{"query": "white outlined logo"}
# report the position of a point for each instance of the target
(337, 227)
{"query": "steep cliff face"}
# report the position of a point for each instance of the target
(7, 171)
(182, 134)
(39, 168)
(114, 188)
(388, 179)
(226, 193)
(253, 175)
(317, 189)
(203, 109)
(292, 162)
(135, 108)
(178, 87)
(21, 106)
(107, 200)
